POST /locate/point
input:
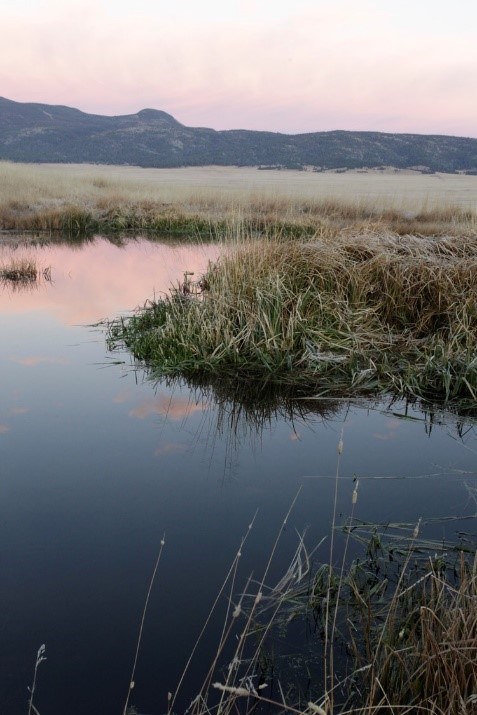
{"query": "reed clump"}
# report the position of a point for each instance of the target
(404, 637)
(393, 630)
(389, 637)
(426, 655)
(350, 314)
(23, 272)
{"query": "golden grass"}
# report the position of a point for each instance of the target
(19, 270)
(85, 197)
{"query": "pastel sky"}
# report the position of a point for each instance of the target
(283, 65)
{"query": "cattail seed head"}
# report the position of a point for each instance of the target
(415, 533)
(243, 692)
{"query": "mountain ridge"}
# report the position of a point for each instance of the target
(37, 132)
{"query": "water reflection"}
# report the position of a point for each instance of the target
(437, 502)
(97, 277)
(18, 283)
(97, 462)
(244, 407)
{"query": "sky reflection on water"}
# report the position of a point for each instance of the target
(97, 463)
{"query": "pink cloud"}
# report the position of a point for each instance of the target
(34, 360)
(123, 396)
(4, 428)
(321, 66)
(170, 448)
(384, 436)
(19, 410)
(391, 428)
(173, 408)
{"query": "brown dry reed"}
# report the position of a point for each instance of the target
(23, 272)
(413, 651)
(427, 654)
(398, 629)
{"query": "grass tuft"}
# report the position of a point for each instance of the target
(23, 272)
(394, 631)
(355, 314)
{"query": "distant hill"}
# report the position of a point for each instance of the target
(151, 138)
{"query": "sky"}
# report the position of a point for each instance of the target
(281, 65)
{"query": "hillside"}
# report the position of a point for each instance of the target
(32, 132)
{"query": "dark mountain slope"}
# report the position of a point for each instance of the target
(47, 133)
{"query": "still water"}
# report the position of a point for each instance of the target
(97, 464)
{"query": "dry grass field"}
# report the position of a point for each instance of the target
(81, 197)
(391, 188)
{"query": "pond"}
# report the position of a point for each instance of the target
(99, 465)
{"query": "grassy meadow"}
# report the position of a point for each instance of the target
(204, 201)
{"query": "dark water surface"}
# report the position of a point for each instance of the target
(97, 464)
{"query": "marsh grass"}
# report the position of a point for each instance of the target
(407, 620)
(40, 657)
(23, 272)
(23, 269)
(394, 627)
(356, 314)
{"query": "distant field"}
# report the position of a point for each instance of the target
(85, 198)
(397, 189)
